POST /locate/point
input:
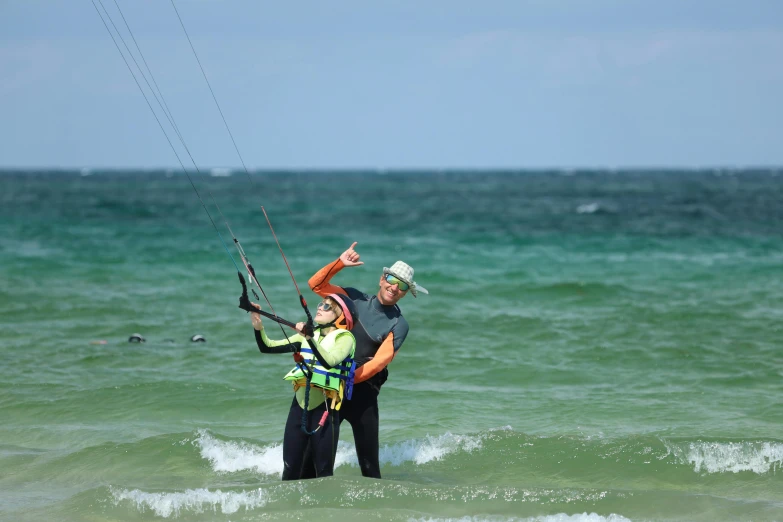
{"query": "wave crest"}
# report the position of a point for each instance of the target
(234, 456)
(719, 457)
(711, 457)
(428, 449)
(231, 456)
(191, 500)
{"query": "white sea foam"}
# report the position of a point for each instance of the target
(233, 456)
(719, 457)
(230, 456)
(560, 517)
(589, 208)
(191, 500)
(421, 451)
(220, 172)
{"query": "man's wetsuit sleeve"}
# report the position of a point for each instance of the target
(386, 352)
(266, 345)
(320, 284)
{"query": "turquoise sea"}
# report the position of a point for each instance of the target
(596, 346)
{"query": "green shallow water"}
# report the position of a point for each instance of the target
(596, 346)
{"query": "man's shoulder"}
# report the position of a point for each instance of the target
(401, 322)
(356, 295)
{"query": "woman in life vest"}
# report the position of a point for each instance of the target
(319, 389)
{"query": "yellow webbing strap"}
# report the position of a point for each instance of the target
(337, 397)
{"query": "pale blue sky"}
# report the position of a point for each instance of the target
(370, 84)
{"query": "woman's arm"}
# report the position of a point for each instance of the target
(267, 345)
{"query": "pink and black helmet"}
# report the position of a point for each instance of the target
(347, 320)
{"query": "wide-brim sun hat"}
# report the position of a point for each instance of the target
(404, 272)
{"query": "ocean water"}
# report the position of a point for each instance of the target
(597, 345)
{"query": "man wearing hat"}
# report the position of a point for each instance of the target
(379, 332)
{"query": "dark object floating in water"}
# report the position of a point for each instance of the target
(136, 338)
(198, 339)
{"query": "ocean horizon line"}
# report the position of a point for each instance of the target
(223, 170)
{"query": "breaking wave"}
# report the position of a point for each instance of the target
(234, 456)
(191, 500)
(760, 457)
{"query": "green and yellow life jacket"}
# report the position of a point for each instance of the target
(322, 378)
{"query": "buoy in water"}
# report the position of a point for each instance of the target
(136, 338)
(198, 339)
